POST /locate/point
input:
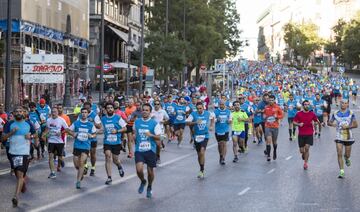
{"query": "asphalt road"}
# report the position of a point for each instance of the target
(253, 184)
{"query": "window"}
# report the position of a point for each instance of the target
(111, 9)
(106, 7)
(134, 37)
(116, 12)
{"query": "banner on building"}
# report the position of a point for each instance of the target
(43, 78)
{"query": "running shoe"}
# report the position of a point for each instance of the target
(86, 167)
(265, 152)
(108, 181)
(294, 137)
(14, 202)
(52, 175)
(158, 161)
(62, 163)
(78, 185)
(222, 162)
(347, 162)
(342, 173)
(130, 155)
(236, 159)
(274, 155)
(148, 193)
(306, 166)
(290, 139)
(92, 172)
(201, 175)
(254, 141)
(141, 187)
(121, 172)
(268, 158)
(260, 141)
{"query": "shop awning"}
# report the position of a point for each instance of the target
(124, 36)
(118, 64)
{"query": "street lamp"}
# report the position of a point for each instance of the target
(129, 49)
(67, 45)
(142, 48)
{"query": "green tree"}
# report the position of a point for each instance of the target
(335, 45)
(211, 31)
(351, 42)
(302, 38)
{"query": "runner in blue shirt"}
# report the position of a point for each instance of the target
(201, 119)
(354, 91)
(258, 119)
(113, 126)
(147, 137)
(291, 107)
(222, 128)
(19, 132)
(319, 108)
(83, 131)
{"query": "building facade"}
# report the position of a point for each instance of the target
(38, 27)
(323, 13)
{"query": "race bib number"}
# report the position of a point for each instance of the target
(54, 133)
(223, 118)
(237, 133)
(83, 136)
(17, 161)
(144, 146)
(180, 118)
(112, 138)
(291, 107)
(199, 138)
(271, 119)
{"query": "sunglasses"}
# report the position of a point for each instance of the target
(156, 104)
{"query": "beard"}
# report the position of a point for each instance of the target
(18, 117)
(110, 113)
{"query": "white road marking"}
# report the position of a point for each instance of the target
(115, 182)
(68, 155)
(244, 191)
(271, 171)
(288, 158)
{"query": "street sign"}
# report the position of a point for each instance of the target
(107, 76)
(220, 65)
(43, 58)
(106, 67)
(43, 78)
(43, 68)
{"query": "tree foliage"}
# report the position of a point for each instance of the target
(211, 32)
(335, 45)
(351, 42)
(302, 38)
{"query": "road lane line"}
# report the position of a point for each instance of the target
(288, 158)
(244, 191)
(271, 171)
(115, 182)
(46, 160)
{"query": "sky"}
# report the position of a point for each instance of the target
(249, 12)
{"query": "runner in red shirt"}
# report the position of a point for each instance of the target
(304, 119)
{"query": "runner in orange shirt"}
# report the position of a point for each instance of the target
(130, 138)
(272, 116)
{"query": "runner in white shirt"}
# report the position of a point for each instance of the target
(160, 116)
(55, 135)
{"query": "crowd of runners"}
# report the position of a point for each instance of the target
(141, 126)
